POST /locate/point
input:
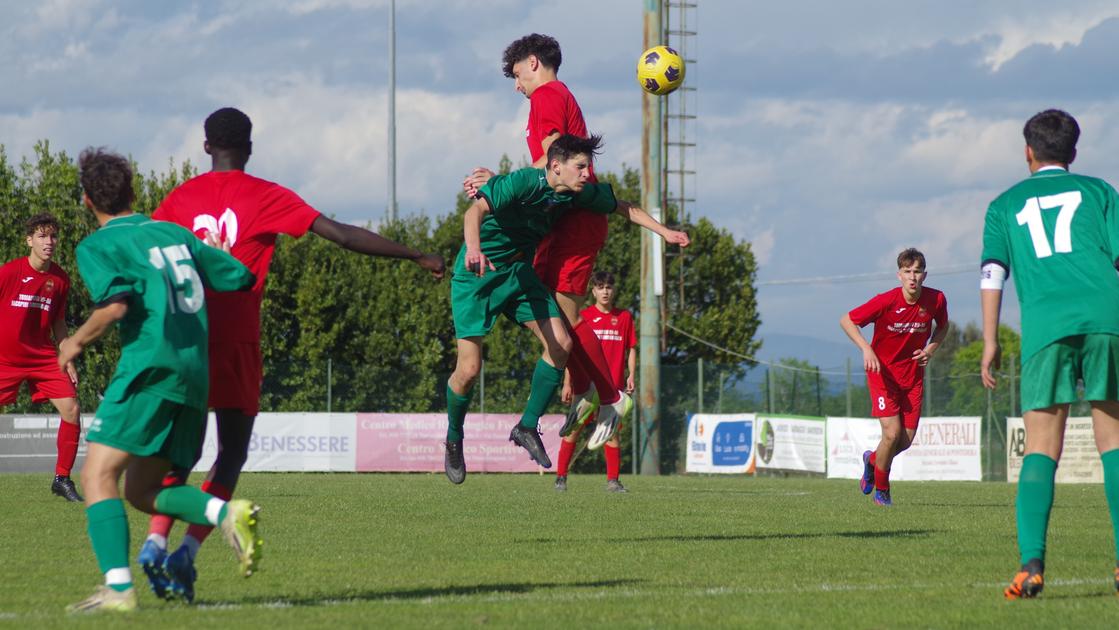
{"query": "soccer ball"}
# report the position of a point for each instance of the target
(660, 70)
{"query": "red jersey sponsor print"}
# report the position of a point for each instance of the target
(553, 108)
(250, 213)
(901, 328)
(615, 331)
(31, 302)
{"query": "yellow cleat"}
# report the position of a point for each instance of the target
(239, 529)
(106, 599)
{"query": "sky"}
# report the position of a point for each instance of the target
(829, 135)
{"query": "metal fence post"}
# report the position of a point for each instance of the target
(699, 385)
(1013, 390)
(329, 383)
(848, 387)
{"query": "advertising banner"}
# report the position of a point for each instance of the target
(294, 442)
(720, 443)
(29, 443)
(413, 442)
(791, 443)
(943, 449)
(1080, 461)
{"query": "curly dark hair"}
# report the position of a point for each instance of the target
(569, 145)
(228, 128)
(43, 220)
(543, 47)
(106, 179)
(909, 256)
(1052, 134)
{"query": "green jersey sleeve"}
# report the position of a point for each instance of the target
(104, 279)
(503, 192)
(996, 245)
(598, 198)
(219, 270)
(1111, 220)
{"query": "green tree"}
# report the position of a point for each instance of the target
(969, 397)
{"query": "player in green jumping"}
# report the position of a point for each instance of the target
(1059, 234)
(493, 276)
(147, 277)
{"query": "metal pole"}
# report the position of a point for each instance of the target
(722, 383)
(926, 400)
(482, 388)
(699, 385)
(819, 401)
(329, 382)
(649, 399)
(392, 112)
(848, 387)
(1013, 390)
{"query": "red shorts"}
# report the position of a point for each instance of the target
(46, 381)
(565, 270)
(235, 377)
(887, 399)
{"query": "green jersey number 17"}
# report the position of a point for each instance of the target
(1066, 203)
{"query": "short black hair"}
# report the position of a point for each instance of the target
(43, 220)
(569, 145)
(1052, 134)
(909, 256)
(229, 128)
(545, 48)
(106, 179)
(602, 278)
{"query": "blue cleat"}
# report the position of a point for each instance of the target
(882, 497)
(179, 568)
(866, 483)
(151, 561)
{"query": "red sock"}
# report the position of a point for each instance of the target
(613, 461)
(588, 349)
(873, 458)
(161, 523)
(881, 479)
(200, 532)
(580, 379)
(567, 449)
(67, 443)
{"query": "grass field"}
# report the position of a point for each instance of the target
(389, 551)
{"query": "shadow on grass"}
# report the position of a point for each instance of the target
(900, 533)
(325, 599)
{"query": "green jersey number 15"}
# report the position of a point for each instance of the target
(180, 261)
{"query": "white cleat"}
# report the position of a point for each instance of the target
(609, 416)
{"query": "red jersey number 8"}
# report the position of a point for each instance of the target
(881, 403)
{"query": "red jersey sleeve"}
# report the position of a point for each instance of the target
(872, 310)
(631, 336)
(940, 315)
(285, 212)
(59, 312)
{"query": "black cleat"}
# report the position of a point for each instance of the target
(561, 486)
(529, 440)
(1028, 582)
(64, 487)
(453, 463)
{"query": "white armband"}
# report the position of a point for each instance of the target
(992, 276)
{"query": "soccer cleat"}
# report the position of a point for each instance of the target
(866, 482)
(582, 408)
(882, 497)
(561, 483)
(1028, 582)
(179, 569)
(529, 439)
(63, 486)
(105, 599)
(453, 463)
(607, 422)
(613, 485)
(239, 529)
(151, 560)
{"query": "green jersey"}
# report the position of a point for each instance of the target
(523, 208)
(1058, 234)
(158, 269)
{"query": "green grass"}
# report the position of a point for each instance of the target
(391, 551)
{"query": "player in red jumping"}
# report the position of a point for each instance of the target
(33, 292)
(232, 209)
(895, 361)
(565, 258)
(614, 328)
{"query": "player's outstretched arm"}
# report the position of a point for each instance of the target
(369, 243)
(636, 215)
(220, 271)
(991, 303)
(97, 325)
(475, 261)
(870, 359)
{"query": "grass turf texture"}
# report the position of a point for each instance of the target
(507, 550)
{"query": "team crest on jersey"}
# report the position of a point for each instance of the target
(921, 311)
(49, 286)
(613, 321)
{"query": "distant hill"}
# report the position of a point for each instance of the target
(824, 354)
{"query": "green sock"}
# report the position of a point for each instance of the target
(457, 405)
(545, 379)
(108, 531)
(1110, 461)
(190, 504)
(1035, 500)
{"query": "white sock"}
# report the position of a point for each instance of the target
(159, 539)
(118, 576)
(213, 509)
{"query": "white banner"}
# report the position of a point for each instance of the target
(790, 443)
(293, 442)
(721, 443)
(1080, 460)
(943, 449)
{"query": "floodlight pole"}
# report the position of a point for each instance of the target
(392, 112)
(648, 402)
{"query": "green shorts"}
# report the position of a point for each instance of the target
(1050, 376)
(150, 426)
(513, 290)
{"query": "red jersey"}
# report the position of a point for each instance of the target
(900, 329)
(30, 302)
(553, 108)
(250, 213)
(615, 331)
